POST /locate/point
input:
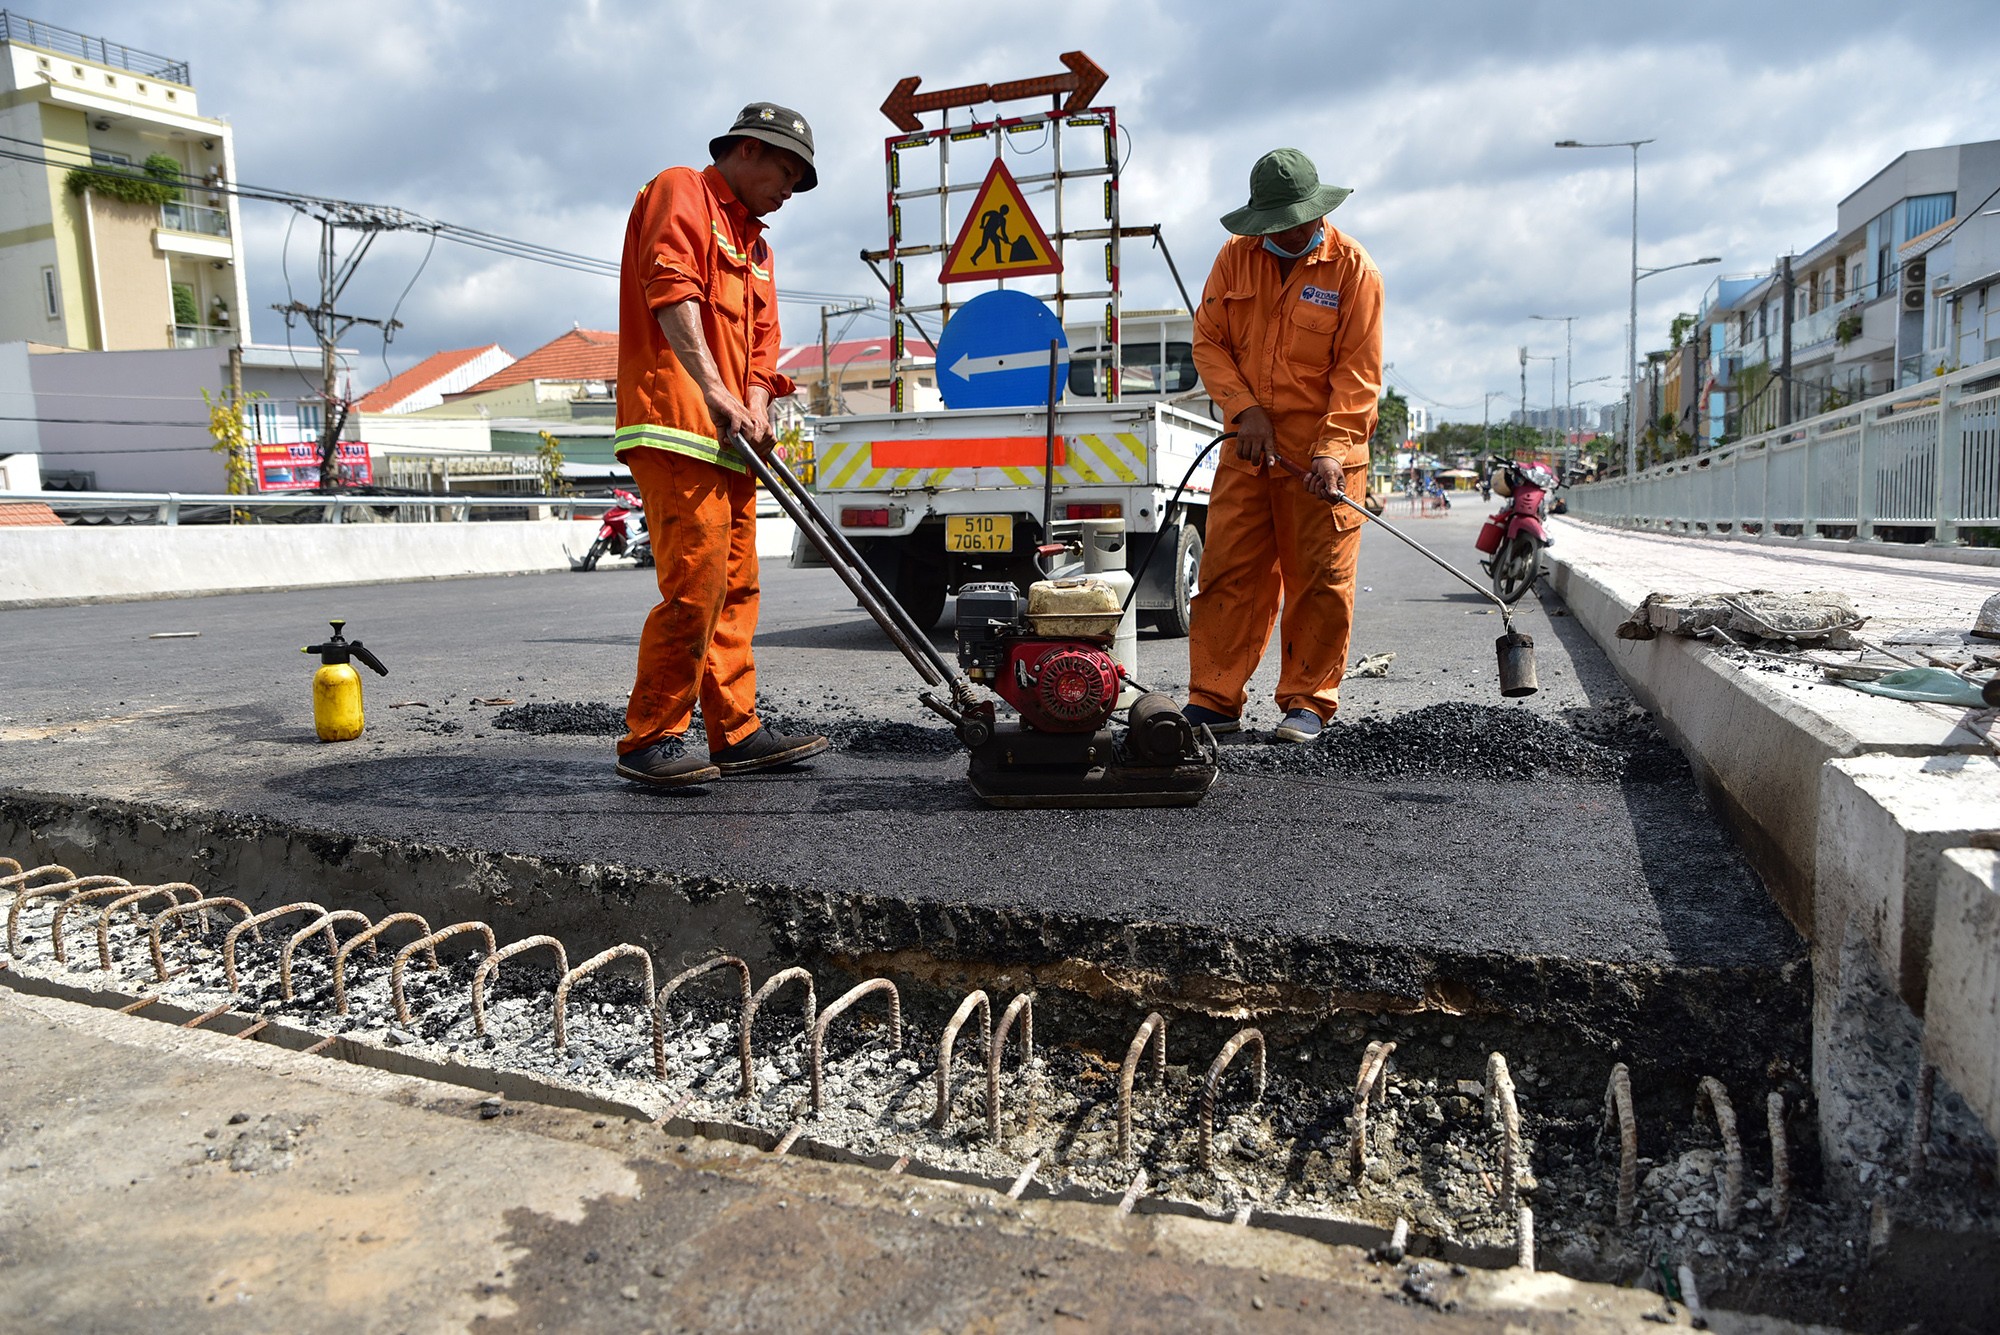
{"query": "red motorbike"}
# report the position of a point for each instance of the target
(1514, 536)
(622, 532)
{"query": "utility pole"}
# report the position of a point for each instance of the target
(328, 324)
(1785, 354)
(823, 392)
(1524, 385)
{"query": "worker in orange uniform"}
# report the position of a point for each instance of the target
(1288, 341)
(697, 346)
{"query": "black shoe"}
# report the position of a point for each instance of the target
(667, 765)
(1217, 723)
(765, 749)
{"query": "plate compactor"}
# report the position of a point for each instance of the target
(1048, 656)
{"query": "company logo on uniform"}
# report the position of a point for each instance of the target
(1320, 296)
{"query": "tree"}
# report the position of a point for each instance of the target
(1392, 423)
(232, 441)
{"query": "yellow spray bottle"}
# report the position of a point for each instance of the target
(337, 686)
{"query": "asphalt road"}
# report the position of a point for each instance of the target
(1618, 872)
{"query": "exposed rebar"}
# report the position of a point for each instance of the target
(172, 890)
(1373, 1062)
(300, 937)
(1023, 1008)
(251, 923)
(591, 965)
(847, 999)
(1781, 1157)
(1026, 1176)
(1711, 1092)
(201, 906)
(1154, 1029)
(367, 938)
(1133, 1193)
(1920, 1118)
(491, 965)
(429, 943)
(104, 892)
(748, 1083)
(1524, 1239)
(1618, 1113)
(27, 894)
(976, 1001)
(1205, 1123)
(771, 985)
(1501, 1108)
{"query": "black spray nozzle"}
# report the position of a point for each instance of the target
(338, 649)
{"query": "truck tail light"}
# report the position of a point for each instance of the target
(1094, 510)
(858, 518)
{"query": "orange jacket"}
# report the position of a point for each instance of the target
(689, 237)
(1306, 348)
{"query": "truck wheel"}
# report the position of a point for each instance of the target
(1173, 622)
(922, 594)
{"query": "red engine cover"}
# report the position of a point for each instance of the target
(1060, 685)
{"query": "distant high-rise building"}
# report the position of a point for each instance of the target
(141, 248)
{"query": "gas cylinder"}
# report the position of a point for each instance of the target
(337, 686)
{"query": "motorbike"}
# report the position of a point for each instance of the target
(622, 532)
(1514, 536)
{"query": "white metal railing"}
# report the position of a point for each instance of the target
(203, 335)
(197, 218)
(166, 507)
(1926, 456)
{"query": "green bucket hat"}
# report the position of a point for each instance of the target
(774, 125)
(1284, 192)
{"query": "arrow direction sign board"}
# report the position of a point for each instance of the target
(1001, 237)
(995, 353)
(1085, 77)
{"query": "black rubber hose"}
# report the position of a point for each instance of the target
(1166, 515)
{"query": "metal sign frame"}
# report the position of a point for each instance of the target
(906, 244)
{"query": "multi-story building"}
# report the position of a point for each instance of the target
(99, 265)
(1906, 285)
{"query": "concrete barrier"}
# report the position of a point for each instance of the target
(79, 564)
(1963, 1009)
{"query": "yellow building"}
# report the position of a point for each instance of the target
(84, 268)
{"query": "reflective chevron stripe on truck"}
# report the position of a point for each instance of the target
(902, 465)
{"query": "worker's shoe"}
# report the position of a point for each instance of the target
(1203, 716)
(765, 749)
(1300, 725)
(667, 765)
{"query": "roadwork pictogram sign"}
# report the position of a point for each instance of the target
(1001, 237)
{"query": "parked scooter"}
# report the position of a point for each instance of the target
(1513, 537)
(622, 532)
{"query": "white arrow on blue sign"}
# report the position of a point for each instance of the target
(995, 353)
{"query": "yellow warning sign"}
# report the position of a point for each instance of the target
(1001, 237)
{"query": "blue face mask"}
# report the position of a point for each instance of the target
(1319, 235)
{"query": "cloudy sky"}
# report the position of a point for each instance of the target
(538, 121)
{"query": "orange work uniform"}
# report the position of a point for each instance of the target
(690, 238)
(1306, 347)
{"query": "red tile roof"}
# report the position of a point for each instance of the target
(429, 371)
(580, 354)
(802, 359)
(28, 514)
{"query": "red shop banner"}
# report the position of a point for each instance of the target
(296, 467)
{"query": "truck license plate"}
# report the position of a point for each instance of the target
(979, 533)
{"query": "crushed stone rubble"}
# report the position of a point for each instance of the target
(1455, 740)
(1434, 1151)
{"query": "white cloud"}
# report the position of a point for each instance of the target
(539, 122)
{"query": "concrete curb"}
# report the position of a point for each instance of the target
(41, 567)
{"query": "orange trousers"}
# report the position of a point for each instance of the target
(702, 519)
(1267, 535)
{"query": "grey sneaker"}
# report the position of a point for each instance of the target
(765, 749)
(1219, 724)
(667, 765)
(1300, 725)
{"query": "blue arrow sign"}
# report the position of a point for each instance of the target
(995, 353)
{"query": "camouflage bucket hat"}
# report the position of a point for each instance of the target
(777, 125)
(1284, 192)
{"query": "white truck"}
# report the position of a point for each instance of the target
(938, 499)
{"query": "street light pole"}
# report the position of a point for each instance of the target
(1569, 372)
(1632, 313)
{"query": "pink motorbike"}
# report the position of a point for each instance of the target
(1513, 537)
(621, 533)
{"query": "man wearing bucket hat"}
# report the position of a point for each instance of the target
(1288, 341)
(697, 350)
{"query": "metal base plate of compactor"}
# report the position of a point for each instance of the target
(1022, 768)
